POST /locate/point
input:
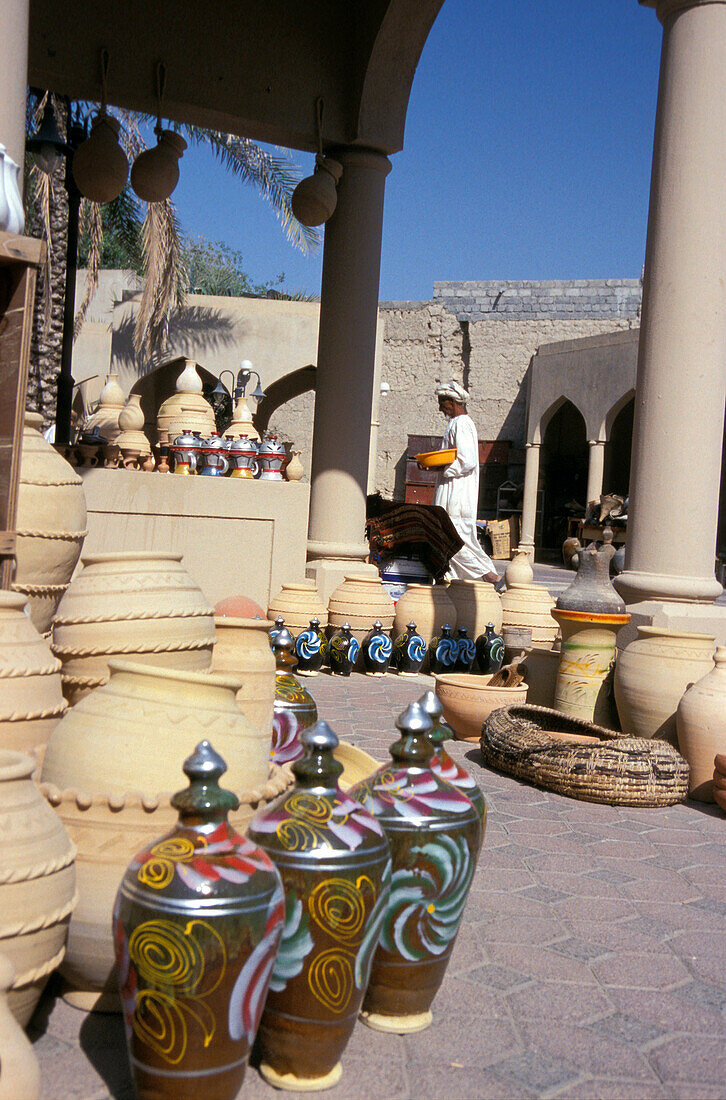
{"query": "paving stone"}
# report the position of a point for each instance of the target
(630, 970)
(431, 1081)
(550, 1001)
(607, 1088)
(538, 1072)
(541, 963)
(680, 1059)
(671, 1011)
(610, 908)
(588, 1050)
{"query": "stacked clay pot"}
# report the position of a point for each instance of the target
(186, 408)
(31, 697)
(51, 524)
(143, 605)
(298, 603)
(429, 606)
(701, 725)
(243, 646)
(110, 406)
(530, 606)
(109, 769)
(37, 883)
(359, 601)
(476, 603)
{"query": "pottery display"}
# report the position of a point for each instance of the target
(295, 709)
(465, 651)
(196, 926)
(429, 605)
(241, 424)
(187, 408)
(239, 607)
(443, 764)
(540, 672)
(519, 569)
(489, 650)
(242, 646)
(377, 650)
(31, 696)
(443, 651)
(110, 406)
(37, 883)
(50, 524)
(476, 603)
(701, 726)
(343, 651)
(409, 651)
(335, 864)
(271, 457)
(298, 602)
(19, 1069)
(530, 606)
(651, 675)
(294, 470)
(311, 649)
(468, 701)
(435, 835)
(359, 601)
(142, 604)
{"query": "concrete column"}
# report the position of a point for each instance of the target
(595, 469)
(14, 15)
(529, 503)
(345, 370)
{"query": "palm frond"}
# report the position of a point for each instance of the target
(90, 224)
(165, 278)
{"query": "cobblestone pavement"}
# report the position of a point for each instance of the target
(590, 962)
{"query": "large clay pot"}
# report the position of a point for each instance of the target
(111, 404)
(359, 601)
(31, 699)
(336, 889)
(243, 646)
(139, 604)
(298, 603)
(190, 411)
(468, 701)
(197, 923)
(239, 607)
(530, 606)
(476, 604)
(19, 1069)
(701, 725)
(519, 569)
(51, 524)
(37, 883)
(429, 606)
(651, 675)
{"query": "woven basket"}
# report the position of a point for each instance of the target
(585, 761)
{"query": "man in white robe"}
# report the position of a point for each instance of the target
(457, 487)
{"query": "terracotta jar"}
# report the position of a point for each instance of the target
(359, 601)
(37, 883)
(197, 924)
(31, 699)
(651, 675)
(435, 836)
(135, 603)
(429, 605)
(51, 524)
(19, 1069)
(239, 607)
(701, 725)
(443, 764)
(530, 606)
(190, 411)
(468, 700)
(110, 406)
(243, 646)
(295, 709)
(476, 604)
(519, 569)
(298, 603)
(335, 866)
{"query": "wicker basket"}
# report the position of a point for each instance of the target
(504, 534)
(580, 760)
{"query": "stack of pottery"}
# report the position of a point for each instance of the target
(134, 603)
(701, 724)
(50, 524)
(429, 605)
(31, 696)
(477, 603)
(37, 883)
(298, 602)
(295, 709)
(359, 601)
(131, 440)
(186, 410)
(242, 646)
(651, 675)
(530, 606)
(241, 423)
(110, 406)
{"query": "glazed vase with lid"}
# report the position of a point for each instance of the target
(701, 725)
(443, 764)
(197, 924)
(311, 648)
(443, 651)
(435, 835)
(377, 650)
(489, 650)
(295, 708)
(343, 651)
(409, 651)
(334, 860)
(465, 651)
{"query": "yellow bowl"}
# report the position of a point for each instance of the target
(430, 459)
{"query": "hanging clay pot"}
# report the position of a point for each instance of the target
(100, 167)
(343, 651)
(37, 883)
(311, 648)
(519, 569)
(197, 923)
(476, 603)
(377, 650)
(242, 646)
(186, 409)
(489, 650)
(701, 725)
(335, 866)
(315, 197)
(155, 172)
(140, 604)
(295, 709)
(111, 404)
(465, 651)
(359, 601)
(298, 603)
(409, 651)
(443, 651)
(443, 764)
(530, 606)
(51, 524)
(429, 605)
(19, 1069)
(435, 836)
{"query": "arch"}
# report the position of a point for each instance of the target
(614, 411)
(284, 389)
(541, 426)
(619, 448)
(160, 383)
(563, 466)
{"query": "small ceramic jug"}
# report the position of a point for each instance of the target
(443, 764)
(342, 651)
(310, 649)
(377, 649)
(442, 652)
(197, 923)
(489, 650)
(294, 707)
(465, 651)
(409, 651)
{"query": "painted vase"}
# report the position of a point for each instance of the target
(298, 603)
(343, 651)
(442, 652)
(409, 651)
(377, 649)
(429, 605)
(311, 647)
(279, 625)
(435, 835)
(476, 603)
(196, 925)
(242, 647)
(294, 709)
(489, 650)
(701, 725)
(443, 764)
(335, 864)
(465, 651)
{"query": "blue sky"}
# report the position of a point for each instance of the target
(527, 154)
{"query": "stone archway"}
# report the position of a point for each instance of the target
(618, 450)
(283, 390)
(564, 463)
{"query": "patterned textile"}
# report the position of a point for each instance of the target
(420, 527)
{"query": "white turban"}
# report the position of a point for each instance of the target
(453, 389)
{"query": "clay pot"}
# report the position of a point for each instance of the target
(242, 423)
(583, 688)
(465, 651)
(359, 601)
(31, 699)
(376, 650)
(131, 417)
(100, 167)
(51, 524)
(343, 651)
(336, 890)
(476, 604)
(591, 590)
(409, 651)
(311, 648)
(136, 603)
(187, 408)
(315, 197)
(37, 884)
(197, 923)
(155, 172)
(443, 651)
(443, 764)
(530, 606)
(701, 726)
(468, 701)
(540, 670)
(239, 607)
(519, 569)
(111, 405)
(429, 605)
(298, 603)
(19, 1069)
(651, 675)
(489, 650)
(242, 646)
(133, 446)
(294, 469)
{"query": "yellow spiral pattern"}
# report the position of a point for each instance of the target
(297, 836)
(156, 873)
(159, 1022)
(309, 808)
(338, 907)
(166, 954)
(330, 978)
(176, 847)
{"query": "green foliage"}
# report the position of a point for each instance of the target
(212, 267)
(121, 246)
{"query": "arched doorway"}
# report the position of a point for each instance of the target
(617, 452)
(564, 460)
